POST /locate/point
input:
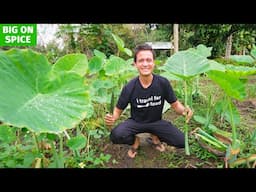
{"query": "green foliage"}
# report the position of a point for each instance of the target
(232, 86)
(253, 52)
(251, 90)
(76, 63)
(77, 143)
(189, 63)
(202, 153)
(162, 33)
(215, 35)
(17, 151)
(226, 61)
(7, 134)
(242, 59)
(244, 39)
(16, 156)
(121, 45)
(35, 98)
(84, 38)
(175, 160)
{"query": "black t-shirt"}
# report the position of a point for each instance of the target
(146, 103)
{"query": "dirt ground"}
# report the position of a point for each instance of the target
(148, 157)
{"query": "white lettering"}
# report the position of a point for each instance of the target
(155, 103)
(141, 106)
(145, 100)
(149, 102)
(26, 29)
(157, 97)
(10, 29)
(17, 39)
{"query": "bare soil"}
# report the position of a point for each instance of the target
(148, 157)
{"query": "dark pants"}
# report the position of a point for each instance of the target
(125, 132)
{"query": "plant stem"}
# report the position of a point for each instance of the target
(37, 143)
(61, 162)
(186, 124)
(67, 135)
(75, 151)
(232, 125)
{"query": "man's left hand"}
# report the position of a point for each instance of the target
(188, 113)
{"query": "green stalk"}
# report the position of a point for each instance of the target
(37, 143)
(186, 139)
(209, 113)
(221, 132)
(189, 96)
(251, 158)
(38, 146)
(88, 144)
(211, 138)
(60, 160)
(54, 152)
(186, 124)
(232, 124)
(111, 107)
(212, 142)
(75, 151)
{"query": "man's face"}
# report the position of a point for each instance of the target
(145, 62)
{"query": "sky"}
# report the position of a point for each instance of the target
(45, 34)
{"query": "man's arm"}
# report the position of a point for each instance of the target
(182, 110)
(111, 118)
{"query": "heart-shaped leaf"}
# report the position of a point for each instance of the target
(30, 98)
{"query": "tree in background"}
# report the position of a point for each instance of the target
(221, 36)
(87, 37)
(225, 39)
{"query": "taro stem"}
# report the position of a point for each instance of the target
(186, 123)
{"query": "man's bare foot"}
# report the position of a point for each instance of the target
(133, 149)
(156, 144)
(132, 152)
(160, 147)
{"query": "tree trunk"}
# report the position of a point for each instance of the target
(176, 37)
(243, 50)
(228, 47)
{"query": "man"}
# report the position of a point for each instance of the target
(146, 95)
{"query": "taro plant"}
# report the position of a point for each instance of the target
(120, 45)
(232, 81)
(245, 59)
(187, 65)
(42, 97)
(107, 76)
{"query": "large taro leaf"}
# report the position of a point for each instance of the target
(99, 54)
(240, 71)
(115, 65)
(120, 44)
(75, 62)
(186, 64)
(29, 98)
(230, 83)
(203, 50)
(95, 64)
(242, 58)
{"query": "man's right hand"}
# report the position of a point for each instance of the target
(109, 120)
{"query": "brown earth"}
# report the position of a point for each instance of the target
(148, 157)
